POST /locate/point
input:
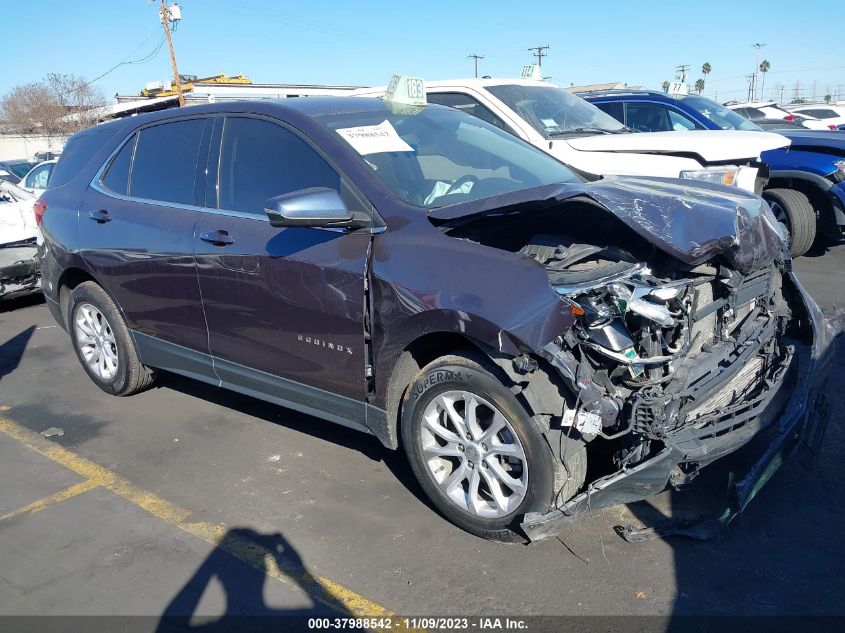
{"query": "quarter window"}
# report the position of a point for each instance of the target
(260, 159)
(117, 176)
(165, 163)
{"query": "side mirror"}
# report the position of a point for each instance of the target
(317, 206)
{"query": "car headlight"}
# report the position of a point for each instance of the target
(717, 175)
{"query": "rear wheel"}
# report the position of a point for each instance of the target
(475, 450)
(794, 210)
(103, 344)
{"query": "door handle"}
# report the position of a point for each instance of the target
(100, 217)
(218, 238)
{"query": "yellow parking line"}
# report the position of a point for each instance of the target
(323, 590)
(49, 500)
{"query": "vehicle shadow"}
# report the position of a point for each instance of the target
(13, 350)
(327, 431)
(27, 301)
(277, 414)
(778, 557)
(241, 565)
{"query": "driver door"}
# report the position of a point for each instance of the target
(284, 306)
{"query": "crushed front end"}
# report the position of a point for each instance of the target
(691, 336)
(674, 366)
(19, 268)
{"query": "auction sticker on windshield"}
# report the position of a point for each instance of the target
(374, 139)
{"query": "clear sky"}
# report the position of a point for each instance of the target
(363, 43)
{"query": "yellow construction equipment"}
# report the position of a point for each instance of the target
(188, 82)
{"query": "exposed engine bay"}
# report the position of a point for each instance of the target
(662, 352)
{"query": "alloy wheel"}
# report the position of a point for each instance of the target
(474, 454)
(96, 342)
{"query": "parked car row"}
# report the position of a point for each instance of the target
(771, 111)
(539, 340)
(806, 179)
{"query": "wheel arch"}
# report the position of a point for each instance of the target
(72, 277)
(537, 386)
(817, 190)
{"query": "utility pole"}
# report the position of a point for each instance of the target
(539, 54)
(475, 58)
(168, 14)
(681, 72)
(757, 46)
(750, 79)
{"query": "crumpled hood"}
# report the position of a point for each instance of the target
(709, 145)
(691, 222)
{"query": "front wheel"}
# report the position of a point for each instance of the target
(794, 210)
(474, 449)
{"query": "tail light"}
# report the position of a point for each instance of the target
(39, 207)
(789, 117)
(831, 127)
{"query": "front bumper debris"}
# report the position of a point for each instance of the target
(19, 269)
(799, 420)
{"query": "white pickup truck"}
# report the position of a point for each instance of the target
(594, 143)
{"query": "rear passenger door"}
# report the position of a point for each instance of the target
(136, 230)
(285, 306)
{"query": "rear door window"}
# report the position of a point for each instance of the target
(165, 164)
(260, 159)
(614, 109)
(647, 117)
(469, 105)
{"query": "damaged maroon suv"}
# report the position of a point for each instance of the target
(536, 344)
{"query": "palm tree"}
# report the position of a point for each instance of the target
(764, 68)
(706, 68)
(665, 86)
(699, 86)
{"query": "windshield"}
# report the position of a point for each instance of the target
(554, 112)
(436, 156)
(720, 115)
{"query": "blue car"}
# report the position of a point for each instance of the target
(806, 187)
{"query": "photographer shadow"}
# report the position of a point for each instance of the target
(241, 562)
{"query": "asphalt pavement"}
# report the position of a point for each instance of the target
(189, 500)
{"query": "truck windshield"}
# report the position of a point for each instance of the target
(554, 112)
(436, 156)
(720, 115)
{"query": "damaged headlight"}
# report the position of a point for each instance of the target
(716, 175)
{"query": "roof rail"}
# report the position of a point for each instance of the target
(620, 91)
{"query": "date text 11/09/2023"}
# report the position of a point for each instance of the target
(430, 623)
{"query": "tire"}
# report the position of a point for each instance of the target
(440, 457)
(794, 209)
(103, 344)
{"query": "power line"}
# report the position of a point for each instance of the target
(539, 54)
(475, 58)
(125, 62)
